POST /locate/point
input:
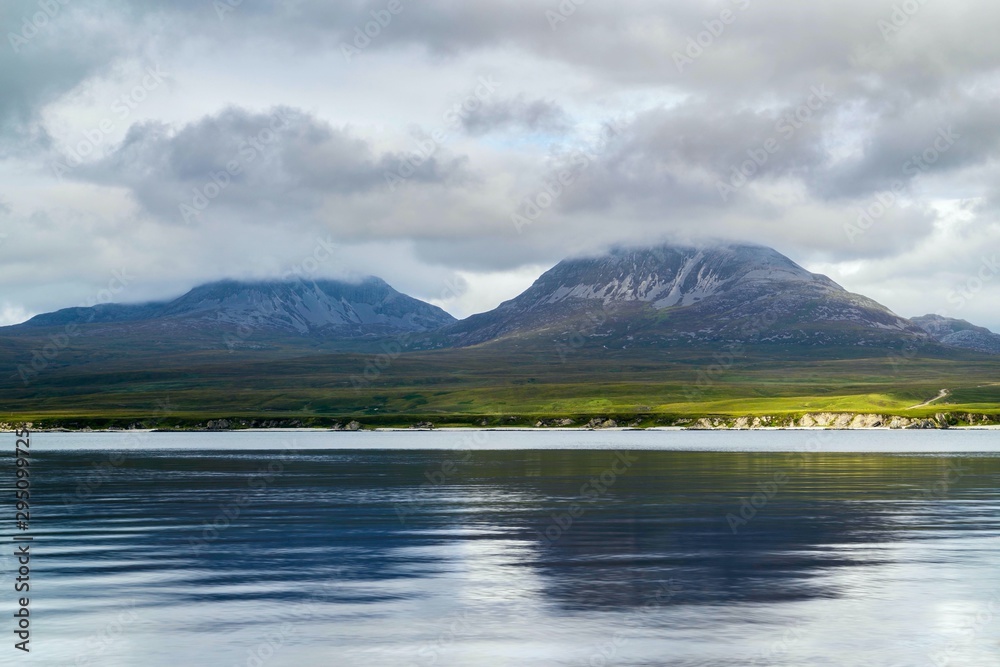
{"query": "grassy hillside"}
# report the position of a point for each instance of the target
(507, 384)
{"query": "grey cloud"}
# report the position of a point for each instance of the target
(516, 114)
(46, 53)
(673, 159)
(912, 141)
(284, 160)
(684, 131)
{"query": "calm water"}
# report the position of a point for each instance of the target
(419, 549)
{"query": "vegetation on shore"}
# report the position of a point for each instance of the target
(504, 387)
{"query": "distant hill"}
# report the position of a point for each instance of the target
(228, 309)
(673, 295)
(959, 333)
(665, 335)
(662, 297)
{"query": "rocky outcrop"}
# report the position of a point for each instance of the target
(7, 427)
(840, 421)
(419, 426)
(744, 423)
(959, 333)
(543, 423)
(350, 426)
(825, 420)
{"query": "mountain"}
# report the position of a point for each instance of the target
(321, 309)
(666, 296)
(673, 295)
(662, 335)
(959, 333)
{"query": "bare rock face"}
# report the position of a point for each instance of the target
(722, 293)
(959, 333)
(867, 421)
(321, 308)
(821, 419)
(908, 423)
(745, 423)
(559, 422)
(841, 421)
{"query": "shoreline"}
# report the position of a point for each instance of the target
(512, 429)
(837, 421)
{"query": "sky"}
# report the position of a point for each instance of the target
(459, 149)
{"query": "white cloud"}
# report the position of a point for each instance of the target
(682, 133)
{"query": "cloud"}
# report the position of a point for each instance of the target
(287, 122)
(516, 114)
(285, 161)
(48, 51)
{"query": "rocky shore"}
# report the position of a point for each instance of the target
(845, 421)
(822, 420)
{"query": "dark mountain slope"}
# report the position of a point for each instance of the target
(669, 295)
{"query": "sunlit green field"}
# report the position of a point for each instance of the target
(495, 386)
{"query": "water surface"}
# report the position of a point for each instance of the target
(625, 548)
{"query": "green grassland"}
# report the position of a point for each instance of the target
(491, 385)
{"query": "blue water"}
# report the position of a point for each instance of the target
(505, 548)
